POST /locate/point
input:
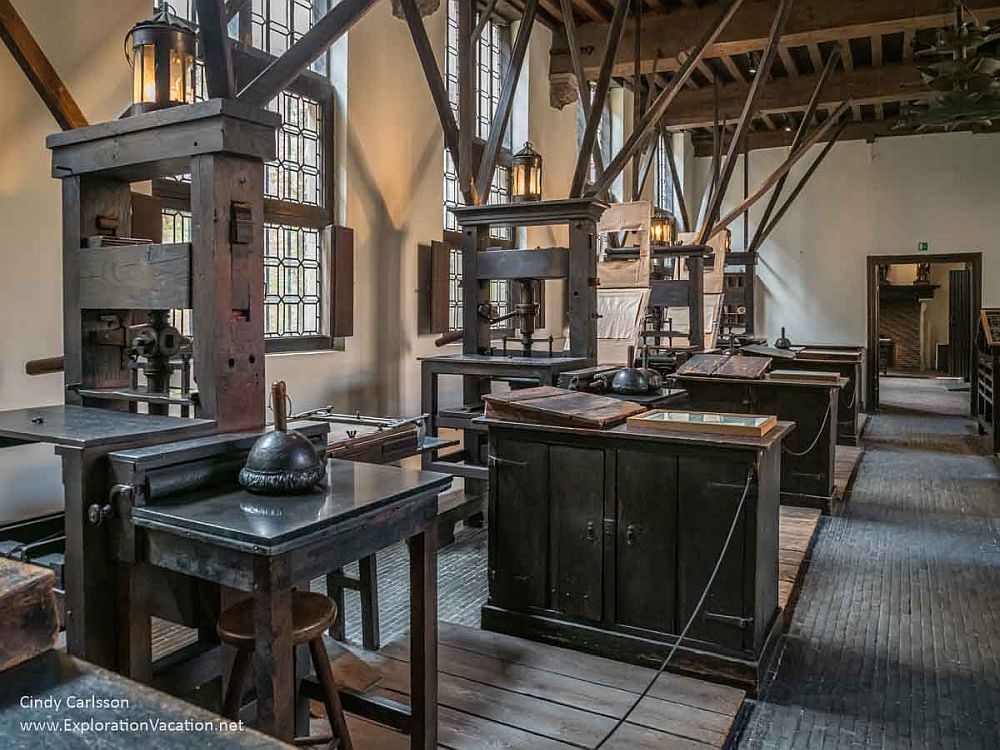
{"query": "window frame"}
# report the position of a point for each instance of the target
(248, 62)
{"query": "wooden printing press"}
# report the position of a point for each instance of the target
(984, 382)
(155, 522)
(481, 363)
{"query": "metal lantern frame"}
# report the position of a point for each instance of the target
(526, 175)
(160, 50)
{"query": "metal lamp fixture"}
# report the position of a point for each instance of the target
(526, 175)
(663, 228)
(161, 52)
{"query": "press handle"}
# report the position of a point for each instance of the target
(279, 405)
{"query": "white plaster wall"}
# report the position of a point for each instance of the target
(868, 199)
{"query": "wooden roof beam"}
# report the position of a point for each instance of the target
(666, 35)
(890, 83)
(788, 61)
(220, 81)
(286, 68)
(39, 71)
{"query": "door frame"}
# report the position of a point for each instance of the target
(973, 262)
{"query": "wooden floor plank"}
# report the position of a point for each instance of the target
(633, 737)
(463, 671)
(619, 675)
(569, 691)
(535, 715)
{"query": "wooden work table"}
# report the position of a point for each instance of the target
(603, 540)
(849, 362)
(809, 457)
(265, 546)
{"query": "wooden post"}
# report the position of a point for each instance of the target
(228, 290)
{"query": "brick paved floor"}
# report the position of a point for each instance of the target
(895, 641)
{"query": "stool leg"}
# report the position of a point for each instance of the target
(331, 698)
(336, 592)
(369, 603)
(237, 684)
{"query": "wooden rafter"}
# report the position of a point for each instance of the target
(812, 22)
(425, 54)
(651, 119)
(487, 164)
(749, 107)
(484, 18)
(583, 86)
(39, 71)
(788, 61)
(637, 162)
(889, 83)
(676, 179)
(220, 82)
(466, 102)
(734, 70)
(877, 50)
(597, 104)
(800, 136)
(783, 169)
(286, 68)
(846, 55)
(765, 231)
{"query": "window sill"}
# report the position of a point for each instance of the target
(304, 345)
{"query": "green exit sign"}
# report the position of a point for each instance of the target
(923, 247)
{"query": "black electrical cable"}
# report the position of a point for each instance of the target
(694, 614)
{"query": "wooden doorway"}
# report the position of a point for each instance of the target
(963, 325)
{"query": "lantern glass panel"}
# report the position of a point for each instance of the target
(144, 75)
(180, 77)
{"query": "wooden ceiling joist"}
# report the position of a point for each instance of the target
(812, 22)
(890, 83)
(39, 71)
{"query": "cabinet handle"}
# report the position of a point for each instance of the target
(591, 534)
(630, 535)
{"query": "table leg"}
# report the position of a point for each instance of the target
(423, 639)
(273, 662)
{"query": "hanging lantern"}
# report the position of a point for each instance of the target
(526, 175)
(161, 52)
(662, 228)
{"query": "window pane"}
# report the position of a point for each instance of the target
(297, 174)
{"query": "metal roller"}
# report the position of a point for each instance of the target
(194, 476)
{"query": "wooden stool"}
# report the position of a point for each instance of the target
(312, 615)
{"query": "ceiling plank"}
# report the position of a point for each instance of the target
(591, 11)
(846, 56)
(890, 83)
(285, 69)
(812, 22)
(815, 58)
(732, 68)
(36, 66)
(788, 61)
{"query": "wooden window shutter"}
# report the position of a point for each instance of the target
(147, 218)
(342, 286)
(433, 261)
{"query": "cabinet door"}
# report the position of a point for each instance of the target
(519, 525)
(646, 540)
(576, 480)
(708, 494)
